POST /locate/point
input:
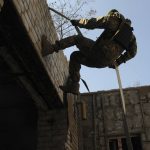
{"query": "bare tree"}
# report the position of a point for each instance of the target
(73, 9)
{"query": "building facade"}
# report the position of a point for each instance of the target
(34, 111)
(102, 123)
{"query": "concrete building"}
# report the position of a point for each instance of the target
(33, 113)
(102, 124)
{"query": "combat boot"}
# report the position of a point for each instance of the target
(70, 87)
(47, 47)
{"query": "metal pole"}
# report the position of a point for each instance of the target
(126, 130)
(121, 91)
(77, 29)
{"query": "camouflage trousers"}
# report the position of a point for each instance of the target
(86, 55)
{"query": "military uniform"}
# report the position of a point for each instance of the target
(100, 53)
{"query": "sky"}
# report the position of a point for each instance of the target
(136, 71)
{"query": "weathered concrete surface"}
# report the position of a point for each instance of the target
(37, 21)
(1, 4)
(27, 21)
(105, 116)
(54, 132)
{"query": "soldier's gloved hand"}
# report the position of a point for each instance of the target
(74, 22)
(119, 61)
(116, 63)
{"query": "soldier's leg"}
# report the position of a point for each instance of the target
(49, 48)
(72, 85)
(80, 41)
(83, 44)
(76, 59)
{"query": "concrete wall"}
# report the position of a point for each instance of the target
(1, 4)
(58, 128)
(104, 117)
(72, 142)
(18, 115)
(55, 129)
(37, 21)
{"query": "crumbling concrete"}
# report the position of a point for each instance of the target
(108, 119)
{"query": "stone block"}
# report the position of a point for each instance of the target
(105, 101)
(102, 141)
(26, 5)
(147, 134)
(133, 97)
(21, 4)
(137, 121)
(147, 121)
(130, 123)
(114, 100)
(26, 24)
(130, 110)
(146, 145)
(137, 109)
(118, 125)
(126, 96)
(98, 101)
(109, 113)
(101, 127)
(146, 108)
(143, 137)
(118, 113)
(17, 6)
(28, 19)
(109, 125)
(148, 95)
(99, 114)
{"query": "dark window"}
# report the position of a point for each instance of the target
(120, 143)
(113, 144)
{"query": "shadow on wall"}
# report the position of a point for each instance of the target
(18, 116)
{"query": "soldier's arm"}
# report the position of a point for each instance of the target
(99, 22)
(130, 53)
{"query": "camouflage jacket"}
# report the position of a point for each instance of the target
(111, 24)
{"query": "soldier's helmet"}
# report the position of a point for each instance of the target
(112, 11)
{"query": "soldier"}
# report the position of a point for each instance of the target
(116, 45)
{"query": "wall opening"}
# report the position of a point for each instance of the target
(119, 143)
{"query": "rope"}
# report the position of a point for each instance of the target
(129, 142)
(85, 84)
(77, 29)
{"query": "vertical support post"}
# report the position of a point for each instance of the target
(126, 130)
(94, 122)
(104, 122)
(143, 121)
(79, 121)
